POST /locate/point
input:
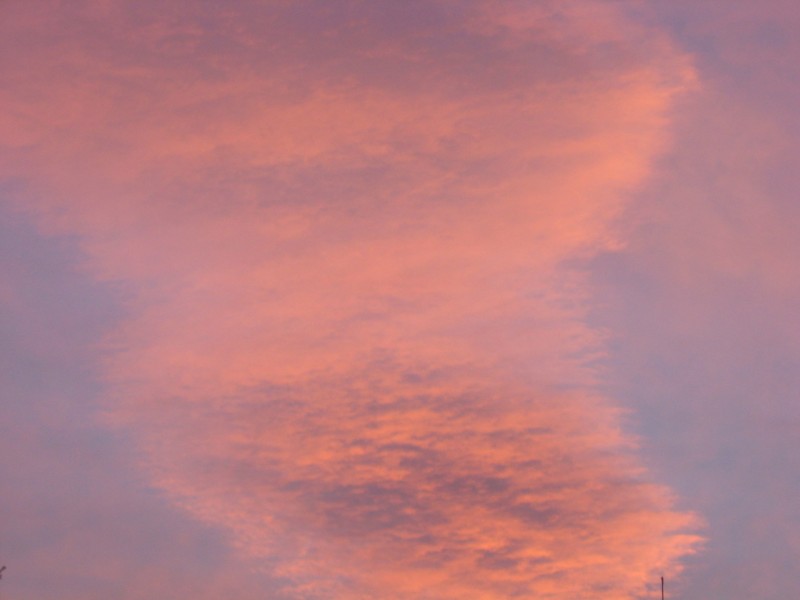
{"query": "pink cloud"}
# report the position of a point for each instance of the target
(343, 228)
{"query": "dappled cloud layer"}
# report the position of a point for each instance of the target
(347, 236)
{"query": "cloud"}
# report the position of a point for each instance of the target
(343, 229)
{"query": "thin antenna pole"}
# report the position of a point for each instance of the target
(662, 588)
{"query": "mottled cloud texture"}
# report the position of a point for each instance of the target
(346, 234)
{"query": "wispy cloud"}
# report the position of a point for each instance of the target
(343, 227)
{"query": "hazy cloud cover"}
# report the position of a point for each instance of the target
(325, 262)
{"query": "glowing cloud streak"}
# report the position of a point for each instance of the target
(343, 228)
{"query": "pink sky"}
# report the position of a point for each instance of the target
(445, 299)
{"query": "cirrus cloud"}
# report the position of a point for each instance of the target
(344, 231)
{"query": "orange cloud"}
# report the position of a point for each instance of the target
(343, 230)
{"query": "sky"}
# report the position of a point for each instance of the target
(430, 300)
